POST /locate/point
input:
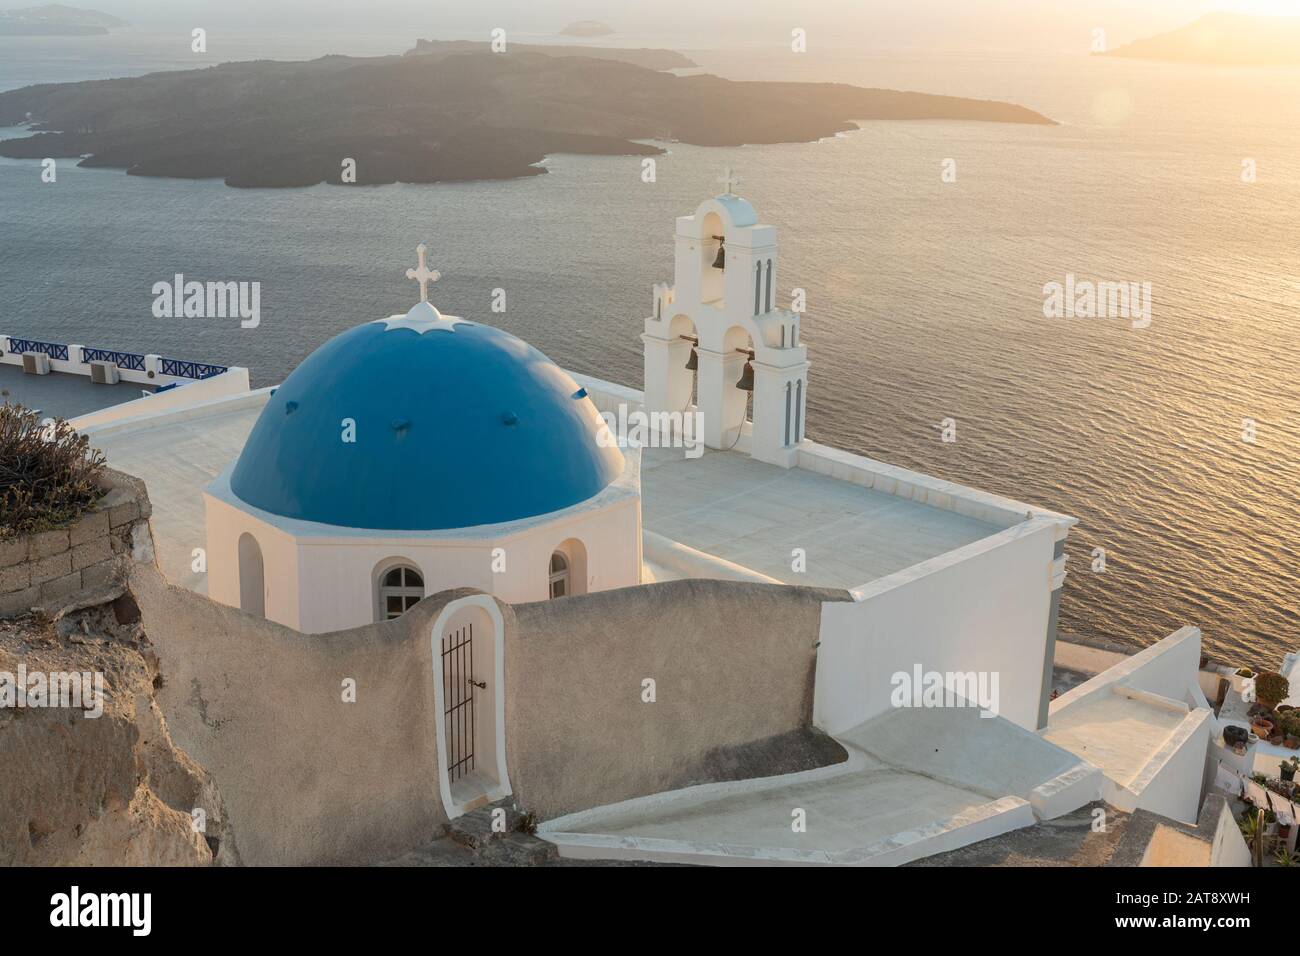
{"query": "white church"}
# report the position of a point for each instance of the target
(537, 609)
(482, 462)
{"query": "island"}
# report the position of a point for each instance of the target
(56, 20)
(1224, 39)
(651, 59)
(587, 28)
(432, 118)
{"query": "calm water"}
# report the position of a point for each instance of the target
(925, 298)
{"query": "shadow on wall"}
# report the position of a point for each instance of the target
(324, 746)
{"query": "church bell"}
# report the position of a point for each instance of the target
(746, 382)
(721, 261)
(693, 362)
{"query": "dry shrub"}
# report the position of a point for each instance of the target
(48, 473)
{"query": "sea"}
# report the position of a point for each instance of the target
(924, 249)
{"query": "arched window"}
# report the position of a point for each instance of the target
(798, 412)
(252, 576)
(561, 586)
(769, 287)
(788, 388)
(400, 589)
(758, 286)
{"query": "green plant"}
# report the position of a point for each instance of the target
(1284, 857)
(48, 473)
(1293, 763)
(1289, 723)
(1271, 688)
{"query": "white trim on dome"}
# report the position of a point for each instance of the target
(422, 318)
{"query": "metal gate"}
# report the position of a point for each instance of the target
(458, 700)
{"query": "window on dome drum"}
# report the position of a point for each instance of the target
(560, 585)
(400, 589)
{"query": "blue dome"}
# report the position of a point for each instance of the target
(457, 424)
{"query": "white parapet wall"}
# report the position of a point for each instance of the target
(229, 384)
(983, 608)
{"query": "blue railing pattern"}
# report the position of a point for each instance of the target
(195, 370)
(121, 359)
(127, 360)
(53, 349)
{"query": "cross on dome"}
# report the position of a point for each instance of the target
(729, 180)
(423, 274)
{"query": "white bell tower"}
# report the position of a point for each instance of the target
(723, 306)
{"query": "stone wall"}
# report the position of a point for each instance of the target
(732, 664)
(308, 773)
(49, 567)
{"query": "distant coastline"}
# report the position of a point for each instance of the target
(651, 59)
(57, 20)
(442, 115)
(1223, 39)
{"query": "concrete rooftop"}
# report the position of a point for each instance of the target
(754, 514)
(1117, 733)
(61, 395)
(722, 503)
(177, 457)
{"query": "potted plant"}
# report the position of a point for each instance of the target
(1271, 689)
(1240, 677)
(1289, 767)
(1261, 727)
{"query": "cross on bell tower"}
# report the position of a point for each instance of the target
(423, 274)
(729, 180)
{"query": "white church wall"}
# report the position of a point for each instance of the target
(338, 573)
(981, 608)
(225, 525)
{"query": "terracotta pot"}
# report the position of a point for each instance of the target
(1262, 728)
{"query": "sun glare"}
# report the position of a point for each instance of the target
(1269, 8)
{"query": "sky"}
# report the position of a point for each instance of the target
(871, 24)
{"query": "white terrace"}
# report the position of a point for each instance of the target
(723, 514)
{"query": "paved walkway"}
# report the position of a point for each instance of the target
(178, 458)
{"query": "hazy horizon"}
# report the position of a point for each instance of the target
(833, 24)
